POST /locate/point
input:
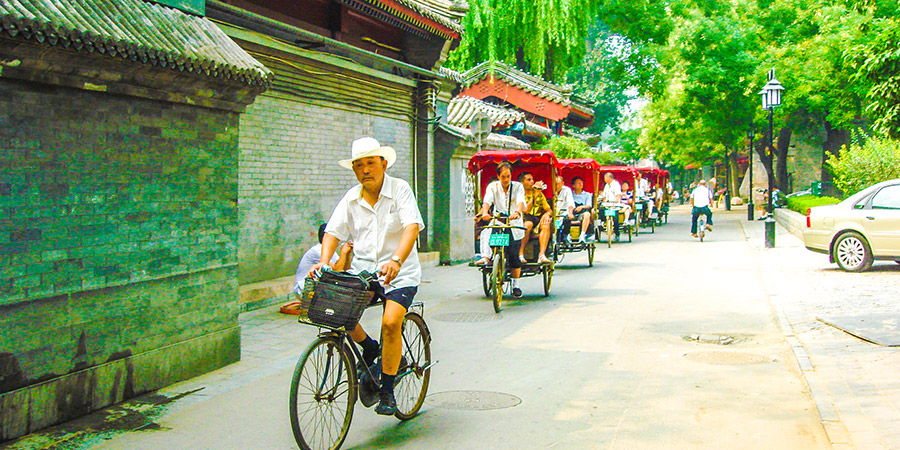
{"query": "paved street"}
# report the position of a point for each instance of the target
(856, 384)
(664, 343)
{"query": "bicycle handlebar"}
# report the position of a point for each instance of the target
(505, 227)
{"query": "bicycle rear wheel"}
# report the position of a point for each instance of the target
(323, 392)
(411, 388)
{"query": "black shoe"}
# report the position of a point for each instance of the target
(517, 293)
(368, 387)
(387, 405)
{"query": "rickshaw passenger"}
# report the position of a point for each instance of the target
(506, 197)
(627, 202)
(584, 202)
(564, 203)
(612, 193)
(537, 212)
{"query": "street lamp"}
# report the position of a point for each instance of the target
(750, 136)
(771, 99)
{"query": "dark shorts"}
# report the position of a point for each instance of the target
(530, 218)
(402, 296)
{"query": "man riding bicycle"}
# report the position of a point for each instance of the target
(506, 197)
(612, 193)
(381, 217)
(701, 198)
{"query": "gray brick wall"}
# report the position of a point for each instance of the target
(118, 228)
(289, 177)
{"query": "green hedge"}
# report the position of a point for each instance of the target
(803, 202)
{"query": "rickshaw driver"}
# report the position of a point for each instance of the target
(537, 212)
(380, 215)
(564, 202)
(612, 193)
(504, 195)
(583, 205)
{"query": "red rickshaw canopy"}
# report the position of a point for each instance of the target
(494, 157)
(540, 163)
(586, 168)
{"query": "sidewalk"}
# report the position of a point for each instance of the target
(855, 384)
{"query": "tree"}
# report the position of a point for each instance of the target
(545, 37)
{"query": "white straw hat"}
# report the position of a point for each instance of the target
(365, 147)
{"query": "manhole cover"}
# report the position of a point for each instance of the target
(473, 400)
(727, 358)
(467, 317)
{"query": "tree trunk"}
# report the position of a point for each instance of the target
(760, 147)
(781, 153)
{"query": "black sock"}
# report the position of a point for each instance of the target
(387, 382)
(371, 351)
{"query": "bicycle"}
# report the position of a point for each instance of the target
(326, 380)
(701, 226)
(498, 241)
(610, 211)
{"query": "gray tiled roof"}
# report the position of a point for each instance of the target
(450, 74)
(493, 141)
(462, 109)
(136, 30)
(527, 82)
(448, 13)
(532, 127)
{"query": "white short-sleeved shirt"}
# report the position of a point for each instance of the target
(564, 200)
(376, 231)
(499, 199)
(612, 190)
(701, 196)
(643, 188)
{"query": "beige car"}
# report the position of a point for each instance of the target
(858, 230)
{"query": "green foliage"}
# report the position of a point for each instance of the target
(803, 202)
(567, 147)
(878, 62)
(545, 37)
(862, 165)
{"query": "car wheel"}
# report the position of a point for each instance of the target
(851, 251)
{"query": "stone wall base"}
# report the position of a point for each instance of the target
(44, 404)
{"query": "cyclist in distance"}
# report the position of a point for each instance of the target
(381, 217)
(701, 198)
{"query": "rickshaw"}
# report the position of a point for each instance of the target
(642, 207)
(496, 275)
(589, 171)
(621, 174)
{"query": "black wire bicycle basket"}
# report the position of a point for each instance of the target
(335, 300)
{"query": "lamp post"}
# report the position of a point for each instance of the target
(771, 99)
(750, 135)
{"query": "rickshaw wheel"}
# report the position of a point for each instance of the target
(497, 275)
(591, 255)
(629, 233)
(653, 226)
(486, 283)
(547, 273)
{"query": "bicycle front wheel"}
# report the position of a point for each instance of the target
(498, 275)
(323, 391)
(415, 370)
